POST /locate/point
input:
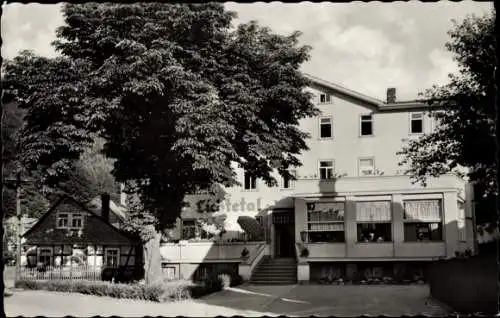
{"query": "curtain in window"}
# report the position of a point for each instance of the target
(373, 211)
(326, 211)
(423, 210)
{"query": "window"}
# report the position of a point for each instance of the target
(168, 271)
(324, 98)
(188, 229)
(77, 221)
(366, 167)
(325, 127)
(374, 221)
(112, 257)
(45, 256)
(250, 182)
(416, 123)
(325, 222)
(69, 220)
(193, 229)
(326, 170)
(422, 221)
(288, 183)
(366, 125)
(62, 220)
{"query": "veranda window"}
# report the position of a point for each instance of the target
(423, 221)
(374, 221)
(325, 222)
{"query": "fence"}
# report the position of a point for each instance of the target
(467, 285)
(63, 272)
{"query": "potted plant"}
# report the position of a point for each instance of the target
(304, 252)
(245, 253)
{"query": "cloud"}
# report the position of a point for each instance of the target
(364, 46)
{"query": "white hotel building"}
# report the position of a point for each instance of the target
(351, 202)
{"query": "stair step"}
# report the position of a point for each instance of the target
(262, 275)
(276, 270)
(269, 282)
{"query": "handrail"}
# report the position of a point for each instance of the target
(259, 250)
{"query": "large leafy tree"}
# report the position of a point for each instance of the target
(465, 134)
(177, 95)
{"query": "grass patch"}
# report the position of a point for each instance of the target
(167, 291)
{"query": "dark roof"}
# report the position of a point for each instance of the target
(83, 207)
(373, 102)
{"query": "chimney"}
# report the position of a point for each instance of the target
(123, 195)
(391, 95)
(105, 206)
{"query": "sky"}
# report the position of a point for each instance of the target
(366, 47)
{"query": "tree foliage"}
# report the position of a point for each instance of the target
(175, 93)
(465, 111)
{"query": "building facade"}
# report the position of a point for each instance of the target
(71, 235)
(351, 202)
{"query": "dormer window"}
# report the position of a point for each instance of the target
(324, 98)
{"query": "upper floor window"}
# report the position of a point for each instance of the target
(324, 98)
(366, 166)
(288, 183)
(416, 123)
(69, 220)
(326, 127)
(76, 221)
(62, 220)
(326, 170)
(250, 182)
(366, 125)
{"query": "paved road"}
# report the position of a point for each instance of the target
(328, 300)
(292, 300)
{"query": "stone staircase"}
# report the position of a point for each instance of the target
(275, 271)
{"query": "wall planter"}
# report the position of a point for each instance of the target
(245, 253)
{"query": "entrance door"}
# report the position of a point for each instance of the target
(285, 240)
(284, 229)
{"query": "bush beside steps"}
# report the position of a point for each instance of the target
(167, 291)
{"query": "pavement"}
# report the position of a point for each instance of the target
(248, 301)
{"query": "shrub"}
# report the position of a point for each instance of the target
(236, 281)
(160, 292)
(230, 280)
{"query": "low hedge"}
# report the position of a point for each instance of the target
(160, 292)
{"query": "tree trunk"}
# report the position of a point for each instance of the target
(152, 259)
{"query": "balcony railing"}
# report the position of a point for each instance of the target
(373, 184)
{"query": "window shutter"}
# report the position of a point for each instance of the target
(377, 211)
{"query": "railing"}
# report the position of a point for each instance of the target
(246, 268)
(198, 252)
(62, 272)
(368, 184)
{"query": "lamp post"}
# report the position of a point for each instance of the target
(17, 184)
